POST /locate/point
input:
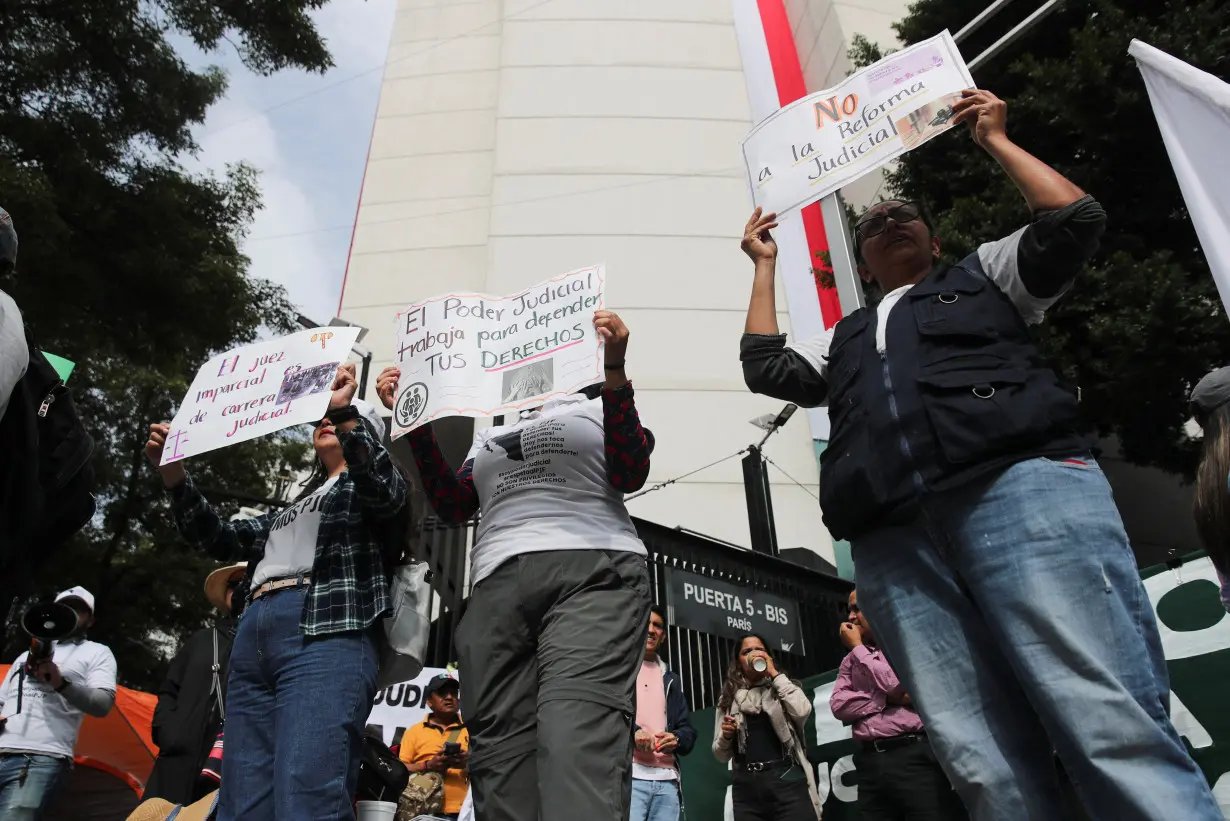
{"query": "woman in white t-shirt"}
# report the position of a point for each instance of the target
(303, 667)
(552, 639)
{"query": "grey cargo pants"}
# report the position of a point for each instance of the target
(549, 652)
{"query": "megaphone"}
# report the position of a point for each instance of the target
(49, 621)
(45, 623)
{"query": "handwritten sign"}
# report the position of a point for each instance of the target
(481, 355)
(829, 139)
(258, 389)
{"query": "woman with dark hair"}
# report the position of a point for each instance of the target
(552, 640)
(304, 662)
(1211, 405)
(760, 719)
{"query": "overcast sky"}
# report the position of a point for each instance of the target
(308, 134)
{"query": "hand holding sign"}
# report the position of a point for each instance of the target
(386, 386)
(172, 474)
(984, 113)
(344, 387)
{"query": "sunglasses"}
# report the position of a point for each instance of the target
(874, 226)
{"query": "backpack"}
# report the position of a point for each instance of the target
(382, 775)
(46, 478)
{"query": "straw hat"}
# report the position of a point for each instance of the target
(216, 582)
(156, 809)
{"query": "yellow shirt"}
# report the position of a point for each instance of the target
(425, 740)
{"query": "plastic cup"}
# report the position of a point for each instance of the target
(376, 810)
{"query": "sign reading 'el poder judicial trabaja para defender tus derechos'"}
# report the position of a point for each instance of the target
(482, 355)
(724, 609)
(258, 389)
(817, 144)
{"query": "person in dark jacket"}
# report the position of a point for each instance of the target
(192, 700)
(663, 730)
(991, 559)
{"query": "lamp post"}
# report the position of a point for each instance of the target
(756, 484)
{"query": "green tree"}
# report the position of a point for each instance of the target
(131, 267)
(1144, 322)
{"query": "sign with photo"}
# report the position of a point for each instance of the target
(482, 355)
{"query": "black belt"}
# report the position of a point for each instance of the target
(761, 766)
(883, 745)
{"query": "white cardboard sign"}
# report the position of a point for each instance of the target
(465, 354)
(258, 389)
(817, 144)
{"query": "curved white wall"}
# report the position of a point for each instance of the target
(520, 139)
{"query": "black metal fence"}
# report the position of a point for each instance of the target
(699, 658)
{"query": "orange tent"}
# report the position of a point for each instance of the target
(114, 757)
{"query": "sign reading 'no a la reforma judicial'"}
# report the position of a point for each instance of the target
(814, 146)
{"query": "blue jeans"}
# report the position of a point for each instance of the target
(654, 801)
(1012, 610)
(295, 714)
(26, 798)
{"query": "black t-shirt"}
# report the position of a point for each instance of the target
(762, 742)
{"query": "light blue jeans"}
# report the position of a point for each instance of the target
(296, 710)
(654, 801)
(28, 784)
(1012, 610)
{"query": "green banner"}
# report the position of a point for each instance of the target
(1195, 633)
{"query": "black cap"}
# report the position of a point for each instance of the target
(439, 682)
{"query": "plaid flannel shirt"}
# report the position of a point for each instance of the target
(349, 589)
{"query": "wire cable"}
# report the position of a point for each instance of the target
(805, 488)
(661, 485)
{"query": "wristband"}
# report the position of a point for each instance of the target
(340, 415)
(615, 366)
(63, 685)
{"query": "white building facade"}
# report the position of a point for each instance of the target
(518, 139)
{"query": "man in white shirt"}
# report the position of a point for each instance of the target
(36, 744)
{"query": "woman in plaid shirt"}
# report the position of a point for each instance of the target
(303, 668)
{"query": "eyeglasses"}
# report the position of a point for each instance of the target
(874, 226)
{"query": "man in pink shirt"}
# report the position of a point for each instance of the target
(663, 730)
(899, 778)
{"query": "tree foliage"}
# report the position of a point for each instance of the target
(1144, 322)
(131, 267)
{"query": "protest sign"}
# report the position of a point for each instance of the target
(402, 705)
(258, 389)
(817, 144)
(482, 355)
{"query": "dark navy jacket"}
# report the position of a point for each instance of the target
(961, 390)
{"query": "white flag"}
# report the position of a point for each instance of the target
(1193, 112)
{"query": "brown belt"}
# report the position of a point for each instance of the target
(302, 580)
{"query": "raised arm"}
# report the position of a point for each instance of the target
(1043, 188)
(453, 495)
(769, 366)
(627, 444)
(1034, 265)
(195, 517)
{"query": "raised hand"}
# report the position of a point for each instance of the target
(344, 386)
(757, 242)
(172, 474)
(985, 114)
(386, 385)
(614, 333)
